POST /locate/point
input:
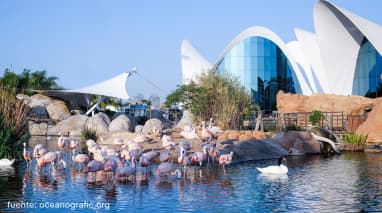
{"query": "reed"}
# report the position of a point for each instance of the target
(13, 113)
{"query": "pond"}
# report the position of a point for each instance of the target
(351, 182)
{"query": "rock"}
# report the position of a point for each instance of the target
(150, 124)
(39, 100)
(38, 129)
(372, 127)
(73, 123)
(259, 135)
(57, 110)
(350, 105)
(254, 150)
(104, 117)
(187, 119)
(298, 142)
(158, 115)
(38, 112)
(99, 123)
(120, 123)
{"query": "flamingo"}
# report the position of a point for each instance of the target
(74, 144)
(62, 140)
(189, 132)
(48, 157)
(185, 145)
(60, 163)
(199, 157)
(280, 169)
(93, 167)
(79, 158)
(225, 160)
(110, 166)
(39, 150)
(164, 156)
(27, 155)
(165, 169)
(125, 171)
(157, 132)
(168, 142)
(140, 138)
(183, 159)
(146, 158)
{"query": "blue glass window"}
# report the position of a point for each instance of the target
(262, 68)
(367, 77)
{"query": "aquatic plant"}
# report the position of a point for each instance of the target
(355, 139)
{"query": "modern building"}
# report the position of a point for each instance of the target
(341, 57)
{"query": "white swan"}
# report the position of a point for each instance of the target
(6, 162)
(280, 169)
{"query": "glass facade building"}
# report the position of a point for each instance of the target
(368, 72)
(262, 68)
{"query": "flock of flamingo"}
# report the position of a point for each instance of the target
(128, 160)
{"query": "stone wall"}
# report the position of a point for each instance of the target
(350, 105)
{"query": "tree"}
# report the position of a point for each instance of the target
(221, 97)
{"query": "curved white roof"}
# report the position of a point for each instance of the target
(193, 63)
(333, 50)
(258, 31)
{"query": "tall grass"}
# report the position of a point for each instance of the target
(355, 139)
(89, 133)
(13, 114)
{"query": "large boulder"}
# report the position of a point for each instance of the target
(57, 110)
(372, 127)
(150, 124)
(38, 129)
(120, 123)
(350, 105)
(39, 100)
(187, 119)
(254, 149)
(75, 123)
(298, 142)
(99, 123)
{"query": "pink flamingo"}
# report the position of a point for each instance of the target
(59, 164)
(49, 157)
(110, 167)
(36, 151)
(157, 132)
(79, 158)
(62, 140)
(27, 155)
(168, 142)
(125, 171)
(225, 159)
(93, 167)
(184, 160)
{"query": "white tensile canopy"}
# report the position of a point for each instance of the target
(115, 87)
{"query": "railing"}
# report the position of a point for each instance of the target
(336, 122)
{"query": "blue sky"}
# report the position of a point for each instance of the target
(87, 41)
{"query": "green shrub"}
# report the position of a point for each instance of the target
(355, 139)
(316, 117)
(89, 133)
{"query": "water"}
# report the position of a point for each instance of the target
(351, 182)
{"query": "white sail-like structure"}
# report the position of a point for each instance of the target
(115, 87)
(193, 63)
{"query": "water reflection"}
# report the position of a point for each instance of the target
(345, 183)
